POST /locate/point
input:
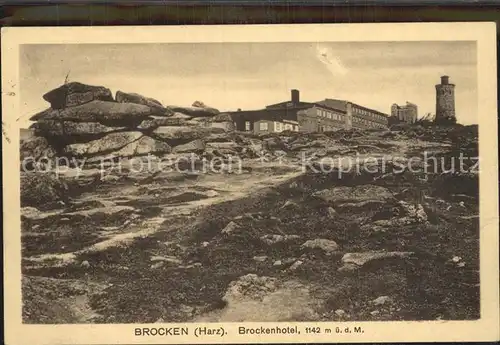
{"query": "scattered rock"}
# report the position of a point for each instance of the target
(274, 238)
(456, 259)
(354, 194)
(158, 265)
(353, 261)
(288, 261)
(382, 300)
(211, 193)
(230, 228)
(295, 265)
(254, 298)
(289, 204)
(330, 211)
(30, 212)
(250, 286)
(375, 313)
(169, 259)
(105, 211)
(340, 312)
(273, 144)
(110, 178)
(327, 246)
(360, 205)
(414, 212)
(260, 258)
(85, 264)
(277, 263)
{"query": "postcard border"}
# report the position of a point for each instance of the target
(485, 329)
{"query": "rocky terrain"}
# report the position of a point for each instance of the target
(287, 234)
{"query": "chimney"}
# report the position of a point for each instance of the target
(295, 96)
(445, 80)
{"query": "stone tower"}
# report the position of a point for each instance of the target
(445, 102)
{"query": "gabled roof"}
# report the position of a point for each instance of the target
(290, 105)
(341, 105)
(334, 104)
(331, 103)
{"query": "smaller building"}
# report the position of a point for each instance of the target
(272, 126)
(405, 113)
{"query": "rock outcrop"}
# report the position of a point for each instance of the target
(54, 128)
(74, 93)
(122, 97)
(36, 148)
(194, 111)
(85, 122)
(353, 195)
(98, 111)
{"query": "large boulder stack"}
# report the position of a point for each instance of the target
(74, 93)
(85, 122)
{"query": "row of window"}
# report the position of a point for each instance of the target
(329, 115)
(367, 123)
(370, 114)
(278, 126)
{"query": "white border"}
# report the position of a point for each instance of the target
(485, 329)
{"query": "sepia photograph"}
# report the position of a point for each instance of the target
(264, 181)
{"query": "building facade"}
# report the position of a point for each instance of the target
(445, 101)
(405, 113)
(322, 116)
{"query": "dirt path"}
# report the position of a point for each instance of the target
(205, 191)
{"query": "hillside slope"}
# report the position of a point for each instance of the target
(292, 235)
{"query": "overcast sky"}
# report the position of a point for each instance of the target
(251, 75)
